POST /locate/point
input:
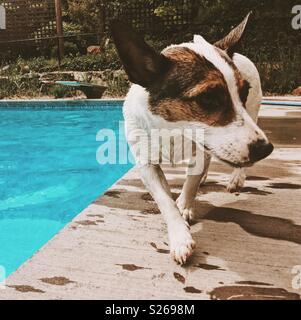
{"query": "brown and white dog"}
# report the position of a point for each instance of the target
(192, 85)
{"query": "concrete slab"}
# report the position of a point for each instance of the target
(247, 243)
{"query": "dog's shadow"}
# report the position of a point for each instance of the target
(255, 224)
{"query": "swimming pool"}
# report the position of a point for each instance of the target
(48, 170)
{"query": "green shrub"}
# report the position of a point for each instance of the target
(60, 92)
(16, 86)
(106, 60)
(42, 64)
(280, 76)
(71, 28)
(117, 82)
(70, 48)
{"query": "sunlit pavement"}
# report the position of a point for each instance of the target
(247, 244)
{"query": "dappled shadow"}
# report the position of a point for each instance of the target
(252, 293)
(288, 186)
(254, 191)
(257, 178)
(255, 224)
(258, 225)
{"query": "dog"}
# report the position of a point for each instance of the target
(193, 85)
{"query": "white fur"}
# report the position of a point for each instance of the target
(229, 143)
(234, 137)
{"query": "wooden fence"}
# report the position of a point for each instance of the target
(31, 21)
(26, 19)
(146, 17)
(27, 22)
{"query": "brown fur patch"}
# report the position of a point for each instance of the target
(193, 90)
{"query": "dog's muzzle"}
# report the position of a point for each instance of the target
(260, 150)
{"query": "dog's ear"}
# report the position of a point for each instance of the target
(142, 63)
(231, 42)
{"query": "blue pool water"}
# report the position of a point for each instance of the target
(49, 172)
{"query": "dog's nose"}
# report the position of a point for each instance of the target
(260, 150)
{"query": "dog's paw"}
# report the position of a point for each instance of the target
(181, 243)
(188, 214)
(237, 181)
(187, 209)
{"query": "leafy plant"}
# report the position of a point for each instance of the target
(60, 92)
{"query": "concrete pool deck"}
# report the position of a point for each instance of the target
(247, 244)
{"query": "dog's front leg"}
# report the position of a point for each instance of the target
(180, 240)
(237, 180)
(196, 175)
(239, 175)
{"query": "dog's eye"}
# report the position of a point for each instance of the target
(244, 92)
(209, 100)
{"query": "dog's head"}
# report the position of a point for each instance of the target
(197, 85)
